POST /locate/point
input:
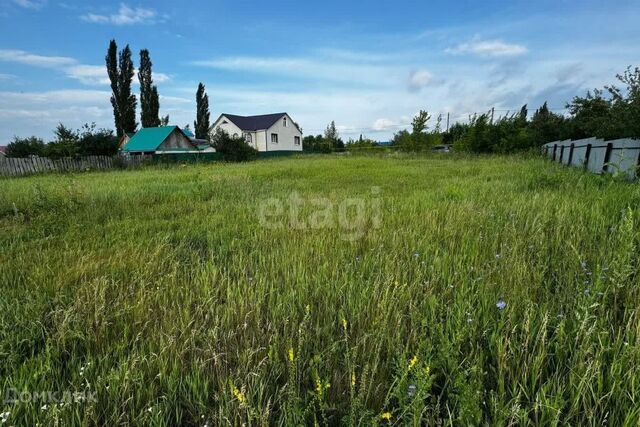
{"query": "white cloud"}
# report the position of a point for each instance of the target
(126, 15)
(385, 124)
(72, 68)
(315, 68)
(22, 57)
(489, 48)
(419, 79)
(30, 4)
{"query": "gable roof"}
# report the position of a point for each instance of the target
(253, 123)
(149, 139)
(3, 149)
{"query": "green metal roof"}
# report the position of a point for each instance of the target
(149, 139)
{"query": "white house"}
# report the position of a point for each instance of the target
(268, 132)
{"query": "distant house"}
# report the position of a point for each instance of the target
(3, 150)
(125, 138)
(164, 140)
(268, 132)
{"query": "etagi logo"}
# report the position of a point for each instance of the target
(350, 217)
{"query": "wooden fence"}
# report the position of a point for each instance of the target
(31, 165)
(620, 156)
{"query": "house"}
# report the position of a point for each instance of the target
(164, 140)
(124, 139)
(3, 150)
(268, 132)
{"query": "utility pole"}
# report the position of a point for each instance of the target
(492, 111)
(447, 122)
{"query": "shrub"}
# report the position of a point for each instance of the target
(25, 147)
(233, 149)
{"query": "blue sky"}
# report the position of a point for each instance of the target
(370, 66)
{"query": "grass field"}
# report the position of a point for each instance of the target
(380, 290)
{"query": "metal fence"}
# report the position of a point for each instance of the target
(620, 156)
(31, 165)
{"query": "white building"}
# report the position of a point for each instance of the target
(268, 132)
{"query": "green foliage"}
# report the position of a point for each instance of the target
(332, 137)
(25, 147)
(360, 143)
(96, 142)
(201, 124)
(419, 139)
(161, 291)
(123, 101)
(233, 149)
(149, 98)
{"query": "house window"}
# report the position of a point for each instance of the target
(247, 137)
(274, 138)
(284, 122)
(296, 140)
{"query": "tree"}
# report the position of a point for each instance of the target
(25, 147)
(201, 124)
(65, 144)
(419, 122)
(122, 100)
(149, 100)
(96, 142)
(233, 149)
(164, 121)
(332, 137)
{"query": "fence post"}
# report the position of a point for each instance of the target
(587, 154)
(570, 154)
(607, 157)
(561, 154)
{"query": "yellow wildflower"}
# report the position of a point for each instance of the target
(291, 355)
(413, 362)
(427, 370)
(318, 386)
(353, 379)
(344, 324)
(238, 394)
(386, 416)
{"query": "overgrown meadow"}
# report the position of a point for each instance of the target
(400, 290)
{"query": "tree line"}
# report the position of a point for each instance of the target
(609, 113)
(88, 140)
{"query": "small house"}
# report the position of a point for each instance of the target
(164, 140)
(3, 151)
(268, 132)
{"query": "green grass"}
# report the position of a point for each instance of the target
(162, 292)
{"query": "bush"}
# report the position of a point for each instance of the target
(25, 147)
(233, 149)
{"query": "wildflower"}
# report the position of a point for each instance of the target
(4, 417)
(386, 416)
(416, 254)
(353, 379)
(413, 362)
(498, 256)
(291, 355)
(344, 324)
(501, 304)
(238, 394)
(427, 370)
(44, 407)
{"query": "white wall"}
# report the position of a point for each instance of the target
(285, 136)
(228, 127)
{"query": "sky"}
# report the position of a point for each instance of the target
(370, 66)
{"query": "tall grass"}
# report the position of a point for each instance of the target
(496, 290)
